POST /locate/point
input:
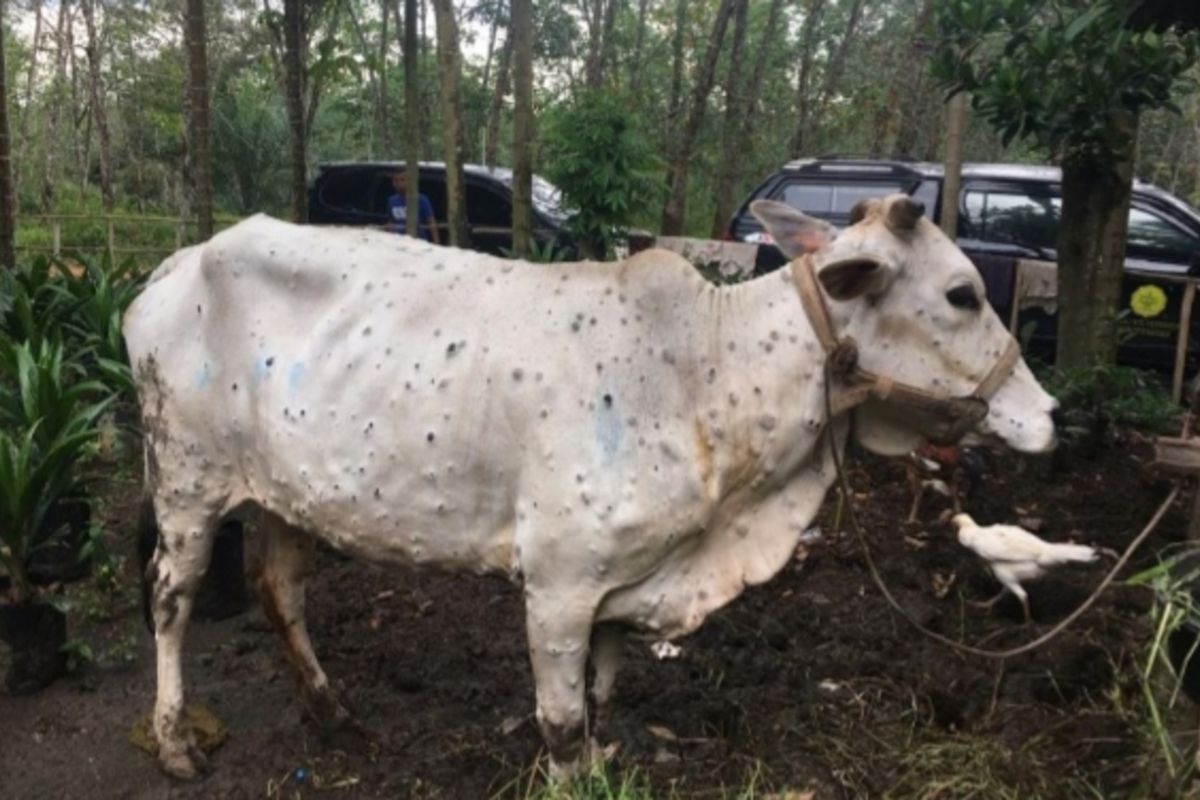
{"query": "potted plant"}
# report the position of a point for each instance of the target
(47, 425)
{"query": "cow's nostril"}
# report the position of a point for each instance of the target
(1056, 416)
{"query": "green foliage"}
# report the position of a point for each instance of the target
(1173, 581)
(1057, 71)
(1102, 394)
(601, 158)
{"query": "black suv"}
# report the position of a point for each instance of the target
(357, 192)
(1008, 212)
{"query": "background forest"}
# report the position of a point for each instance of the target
(99, 89)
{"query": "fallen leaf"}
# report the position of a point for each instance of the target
(659, 732)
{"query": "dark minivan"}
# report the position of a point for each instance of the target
(357, 192)
(1008, 212)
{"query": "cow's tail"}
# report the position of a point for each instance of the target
(147, 543)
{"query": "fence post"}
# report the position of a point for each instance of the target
(56, 237)
(180, 233)
(111, 241)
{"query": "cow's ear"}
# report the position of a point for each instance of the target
(848, 278)
(793, 232)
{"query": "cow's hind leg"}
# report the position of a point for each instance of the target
(608, 641)
(280, 564)
(180, 561)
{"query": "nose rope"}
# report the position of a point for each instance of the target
(954, 415)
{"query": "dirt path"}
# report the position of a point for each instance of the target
(807, 682)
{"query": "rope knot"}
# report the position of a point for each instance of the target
(843, 359)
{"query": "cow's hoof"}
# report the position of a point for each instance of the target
(187, 763)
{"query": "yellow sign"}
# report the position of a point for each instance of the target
(1148, 301)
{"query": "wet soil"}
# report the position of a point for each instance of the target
(810, 682)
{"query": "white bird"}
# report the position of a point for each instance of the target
(1014, 554)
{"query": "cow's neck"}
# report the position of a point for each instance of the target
(763, 410)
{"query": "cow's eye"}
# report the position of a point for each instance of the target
(963, 297)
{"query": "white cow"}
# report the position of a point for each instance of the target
(632, 444)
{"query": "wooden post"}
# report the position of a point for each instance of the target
(1014, 315)
(1181, 341)
(180, 233)
(56, 237)
(110, 241)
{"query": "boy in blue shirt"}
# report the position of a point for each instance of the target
(398, 210)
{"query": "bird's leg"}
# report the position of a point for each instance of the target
(988, 604)
(916, 488)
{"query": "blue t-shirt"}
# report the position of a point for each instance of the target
(398, 211)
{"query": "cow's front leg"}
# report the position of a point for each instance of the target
(559, 633)
(280, 563)
(180, 561)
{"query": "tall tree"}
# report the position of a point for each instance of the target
(675, 103)
(635, 62)
(58, 94)
(744, 124)
(837, 62)
(677, 173)
(196, 36)
(897, 118)
(521, 31)
(294, 60)
(450, 69)
(99, 104)
(27, 101)
(813, 10)
(412, 118)
(1072, 79)
(491, 136)
(7, 198)
(731, 131)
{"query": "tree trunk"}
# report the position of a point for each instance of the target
(607, 43)
(895, 121)
(27, 101)
(56, 103)
(201, 137)
(373, 70)
(837, 64)
(450, 67)
(956, 125)
(81, 116)
(412, 121)
(675, 209)
(523, 130)
(99, 114)
(675, 104)
(491, 137)
(635, 63)
(8, 216)
(808, 40)
(1091, 258)
(385, 117)
(727, 162)
(294, 60)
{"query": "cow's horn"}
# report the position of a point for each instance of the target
(903, 213)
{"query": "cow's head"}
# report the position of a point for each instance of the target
(917, 308)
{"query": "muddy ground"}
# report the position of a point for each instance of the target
(809, 683)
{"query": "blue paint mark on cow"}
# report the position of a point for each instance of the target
(609, 429)
(295, 375)
(203, 376)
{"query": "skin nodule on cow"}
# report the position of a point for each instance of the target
(631, 444)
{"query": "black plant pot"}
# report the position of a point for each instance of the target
(36, 634)
(66, 526)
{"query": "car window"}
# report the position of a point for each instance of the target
(1028, 220)
(1152, 237)
(833, 199)
(488, 207)
(350, 190)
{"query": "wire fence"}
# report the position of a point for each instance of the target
(119, 236)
